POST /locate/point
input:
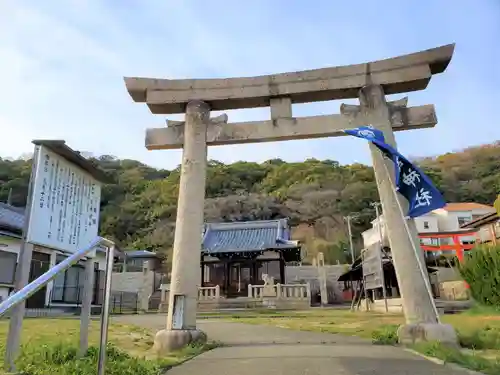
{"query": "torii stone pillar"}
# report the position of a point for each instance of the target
(422, 319)
(181, 320)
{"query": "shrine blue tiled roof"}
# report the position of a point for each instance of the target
(247, 236)
(11, 217)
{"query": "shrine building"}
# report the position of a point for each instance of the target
(237, 254)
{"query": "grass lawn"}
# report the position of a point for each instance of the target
(49, 346)
(478, 331)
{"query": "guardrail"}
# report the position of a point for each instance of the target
(281, 291)
(208, 293)
(18, 298)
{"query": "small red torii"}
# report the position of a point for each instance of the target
(457, 246)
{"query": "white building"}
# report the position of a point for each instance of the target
(487, 227)
(67, 287)
(447, 219)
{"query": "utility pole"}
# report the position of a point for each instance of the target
(349, 231)
(349, 219)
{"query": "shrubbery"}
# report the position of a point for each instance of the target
(481, 270)
(61, 359)
(469, 360)
(385, 335)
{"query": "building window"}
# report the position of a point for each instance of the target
(463, 220)
(430, 241)
(8, 262)
(135, 265)
(426, 225)
(68, 286)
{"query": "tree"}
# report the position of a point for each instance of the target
(497, 204)
(481, 270)
(138, 209)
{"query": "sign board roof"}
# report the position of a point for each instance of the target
(60, 148)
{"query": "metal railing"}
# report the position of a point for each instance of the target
(64, 297)
(124, 303)
(23, 294)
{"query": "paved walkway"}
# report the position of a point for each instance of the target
(265, 350)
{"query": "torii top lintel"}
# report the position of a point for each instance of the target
(397, 75)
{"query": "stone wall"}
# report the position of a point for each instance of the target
(445, 274)
(310, 274)
(135, 282)
(131, 281)
(454, 291)
(451, 285)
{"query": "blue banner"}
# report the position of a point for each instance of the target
(367, 132)
(411, 182)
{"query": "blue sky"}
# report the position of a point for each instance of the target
(62, 65)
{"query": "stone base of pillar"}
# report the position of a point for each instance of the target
(167, 341)
(409, 334)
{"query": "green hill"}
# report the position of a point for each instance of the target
(138, 209)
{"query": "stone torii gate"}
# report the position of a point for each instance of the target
(369, 82)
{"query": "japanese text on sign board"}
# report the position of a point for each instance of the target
(65, 204)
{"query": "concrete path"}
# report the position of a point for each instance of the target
(265, 350)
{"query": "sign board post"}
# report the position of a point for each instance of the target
(86, 307)
(62, 213)
(21, 279)
(373, 271)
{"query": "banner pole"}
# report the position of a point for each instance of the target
(424, 274)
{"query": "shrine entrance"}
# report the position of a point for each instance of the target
(369, 82)
(241, 274)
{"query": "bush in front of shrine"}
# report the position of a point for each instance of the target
(481, 270)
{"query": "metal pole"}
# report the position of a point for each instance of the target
(416, 250)
(379, 220)
(86, 307)
(364, 283)
(105, 311)
(22, 276)
(348, 218)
